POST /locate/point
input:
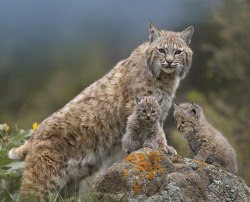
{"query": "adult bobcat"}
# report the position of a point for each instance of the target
(73, 142)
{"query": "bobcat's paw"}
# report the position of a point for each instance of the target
(151, 146)
(171, 150)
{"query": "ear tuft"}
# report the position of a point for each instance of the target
(160, 99)
(194, 109)
(137, 99)
(154, 32)
(175, 105)
(187, 34)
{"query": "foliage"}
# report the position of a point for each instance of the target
(228, 72)
(10, 170)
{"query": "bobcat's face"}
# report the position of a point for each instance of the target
(148, 108)
(169, 51)
(169, 57)
(148, 113)
(187, 117)
(185, 124)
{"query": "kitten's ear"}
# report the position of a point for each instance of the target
(175, 105)
(187, 34)
(154, 32)
(137, 99)
(194, 109)
(160, 99)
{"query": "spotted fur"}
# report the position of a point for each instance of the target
(205, 142)
(143, 126)
(73, 142)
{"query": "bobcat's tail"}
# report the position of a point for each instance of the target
(19, 153)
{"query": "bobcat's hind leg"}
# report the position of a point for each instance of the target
(43, 175)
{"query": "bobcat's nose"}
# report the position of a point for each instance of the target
(169, 59)
(170, 62)
(148, 117)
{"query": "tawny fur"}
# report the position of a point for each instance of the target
(205, 142)
(143, 126)
(73, 142)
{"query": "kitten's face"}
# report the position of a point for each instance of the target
(148, 109)
(187, 117)
(169, 51)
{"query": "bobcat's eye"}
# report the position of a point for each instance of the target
(182, 122)
(161, 50)
(177, 52)
(153, 111)
(144, 110)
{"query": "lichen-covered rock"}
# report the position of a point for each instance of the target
(151, 175)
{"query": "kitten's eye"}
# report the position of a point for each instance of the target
(161, 50)
(182, 122)
(153, 111)
(144, 110)
(177, 52)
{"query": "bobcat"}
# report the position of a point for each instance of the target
(143, 126)
(73, 142)
(205, 142)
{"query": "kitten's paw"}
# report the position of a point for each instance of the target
(151, 146)
(129, 151)
(171, 150)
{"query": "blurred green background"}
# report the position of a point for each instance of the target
(51, 50)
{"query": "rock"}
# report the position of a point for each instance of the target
(150, 175)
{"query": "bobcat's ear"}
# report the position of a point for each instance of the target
(137, 99)
(175, 105)
(160, 99)
(194, 109)
(187, 34)
(154, 32)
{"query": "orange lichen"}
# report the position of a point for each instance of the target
(150, 175)
(146, 167)
(137, 188)
(199, 168)
(131, 158)
(199, 164)
(125, 173)
(140, 160)
(155, 156)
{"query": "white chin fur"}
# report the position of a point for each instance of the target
(168, 70)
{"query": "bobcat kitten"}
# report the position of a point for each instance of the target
(75, 141)
(143, 126)
(205, 142)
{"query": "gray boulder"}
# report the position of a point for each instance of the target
(151, 175)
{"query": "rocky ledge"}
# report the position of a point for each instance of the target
(150, 175)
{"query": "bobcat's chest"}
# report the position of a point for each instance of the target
(167, 85)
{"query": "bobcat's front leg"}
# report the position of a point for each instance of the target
(162, 143)
(151, 143)
(191, 153)
(204, 152)
(135, 145)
